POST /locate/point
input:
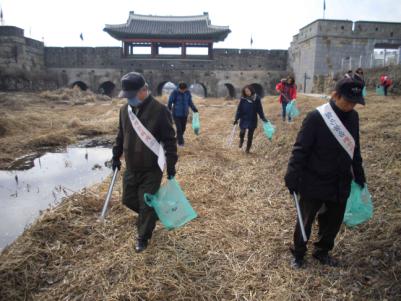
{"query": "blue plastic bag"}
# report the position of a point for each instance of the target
(380, 90)
(291, 109)
(171, 205)
(269, 129)
(359, 206)
(364, 93)
(195, 123)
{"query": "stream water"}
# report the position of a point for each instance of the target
(52, 176)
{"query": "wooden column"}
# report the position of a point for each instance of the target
(154, 49)
(183, 50)
(210, 50)
(126, 49)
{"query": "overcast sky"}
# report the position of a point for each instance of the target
(270, 23)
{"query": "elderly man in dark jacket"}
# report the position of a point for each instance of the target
(321, 170)
(143, 173)
(179, 102)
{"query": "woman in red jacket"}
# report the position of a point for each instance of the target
(288, 92)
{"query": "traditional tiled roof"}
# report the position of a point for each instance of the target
(168, 27)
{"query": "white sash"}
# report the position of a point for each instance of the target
(148, 139)
(337, 128)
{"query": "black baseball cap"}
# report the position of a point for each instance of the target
(131, 83)
(351, 90)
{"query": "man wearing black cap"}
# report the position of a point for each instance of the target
(147, 138)
(325, 158)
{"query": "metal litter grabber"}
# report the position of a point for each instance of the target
(300, 219)
(108, 197)
(231, 137)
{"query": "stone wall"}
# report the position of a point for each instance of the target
(326, 47)
(22, 64)
(18, 52)
(111, 57)
(25, 64)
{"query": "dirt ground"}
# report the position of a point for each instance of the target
(237, 249)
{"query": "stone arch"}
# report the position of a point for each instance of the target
(198, 89)
(80, 84)
(258, 89)
(161, 87)
(107, 88)
(231, 91)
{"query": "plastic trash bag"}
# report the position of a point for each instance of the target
(359, 206)
(364, 93)
(291, 109)
(171, 205)
(195, 123)
(380, 90)
(269, 129)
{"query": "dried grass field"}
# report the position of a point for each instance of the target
(237, 249)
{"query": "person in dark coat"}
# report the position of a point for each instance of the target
(358, 75)
(143, 174)
(248, 108)
(179, 102)
(319, 170)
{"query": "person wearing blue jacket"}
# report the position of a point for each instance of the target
(179, 102)
(248, 108)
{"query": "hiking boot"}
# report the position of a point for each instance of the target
(141, 245)
(326, 259)
(297, 262)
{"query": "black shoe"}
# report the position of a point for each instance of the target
(297, 262)
(141, 245)
(241, 142)
(326, 259)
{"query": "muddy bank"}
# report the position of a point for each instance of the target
(37, 122)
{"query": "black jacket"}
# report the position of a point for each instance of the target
(157, 119)
(247, 111)
(319, 167)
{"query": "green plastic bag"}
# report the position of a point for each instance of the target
(196, 123)
(359, 206)
(364, 93)
(380, 90)
(171, 205)
(269, 129)
(291, 109)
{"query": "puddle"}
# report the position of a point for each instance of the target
(24, 193)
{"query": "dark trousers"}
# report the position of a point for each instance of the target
(284, 107)
(250, 138)
(330, 217)
(135, 185)
(385, 90)
(181, 125)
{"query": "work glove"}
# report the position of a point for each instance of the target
(292, 184)
(170, 172)
(195, 110)
(116, 163)
(360, 182)
(235, 122)
(265, 119)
